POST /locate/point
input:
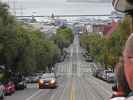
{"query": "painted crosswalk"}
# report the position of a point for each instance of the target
(64, 68)
(75, 68)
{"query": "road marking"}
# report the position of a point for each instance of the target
(71, 52)
(63, 92)
(57, 92)
(108, 92)
(34, 95)
(72, 91)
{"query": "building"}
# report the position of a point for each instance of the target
(48, 30)
(89, 28)
(60, 22)
(98, 28)
(110, 28)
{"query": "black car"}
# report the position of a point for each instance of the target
(20, 85)
(19, 82)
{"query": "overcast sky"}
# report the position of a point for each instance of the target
(46, 7)
(98, 1)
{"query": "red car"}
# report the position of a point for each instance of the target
(9, 88)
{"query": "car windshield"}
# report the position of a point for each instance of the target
(109, 71)
(66, 49)
(48, 76)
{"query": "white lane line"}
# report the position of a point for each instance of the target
(64, 90)
(71, 52)
(103, 88)
(57, 92)
(34, 95)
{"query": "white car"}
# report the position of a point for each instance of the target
(32, 79)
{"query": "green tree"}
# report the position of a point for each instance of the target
(63, 38)
(107, 51)
(22, 48)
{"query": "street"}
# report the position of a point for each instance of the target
(75, 81)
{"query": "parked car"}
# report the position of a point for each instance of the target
(47, 80)
(97, 72)
(9, 87)
(100, 74)
(62, 58)
(108, 75)
(85, 54)
(32, 79)
(19, 82)
(2, 91)
(20, 85)
(111, 77)
(39, 74)
(89, 59)
(27, 79)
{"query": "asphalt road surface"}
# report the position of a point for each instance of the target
(75, 81)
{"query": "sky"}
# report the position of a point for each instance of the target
(60, 7)
(96, 1)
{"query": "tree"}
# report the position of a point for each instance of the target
(63, 38)
(24, 49)
(107, 51)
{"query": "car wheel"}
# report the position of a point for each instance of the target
(2, 97)
(40, 87)
(54, 87)
(24, 86)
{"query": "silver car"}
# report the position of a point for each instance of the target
(108, 75)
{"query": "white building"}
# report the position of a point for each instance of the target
(89, 28)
